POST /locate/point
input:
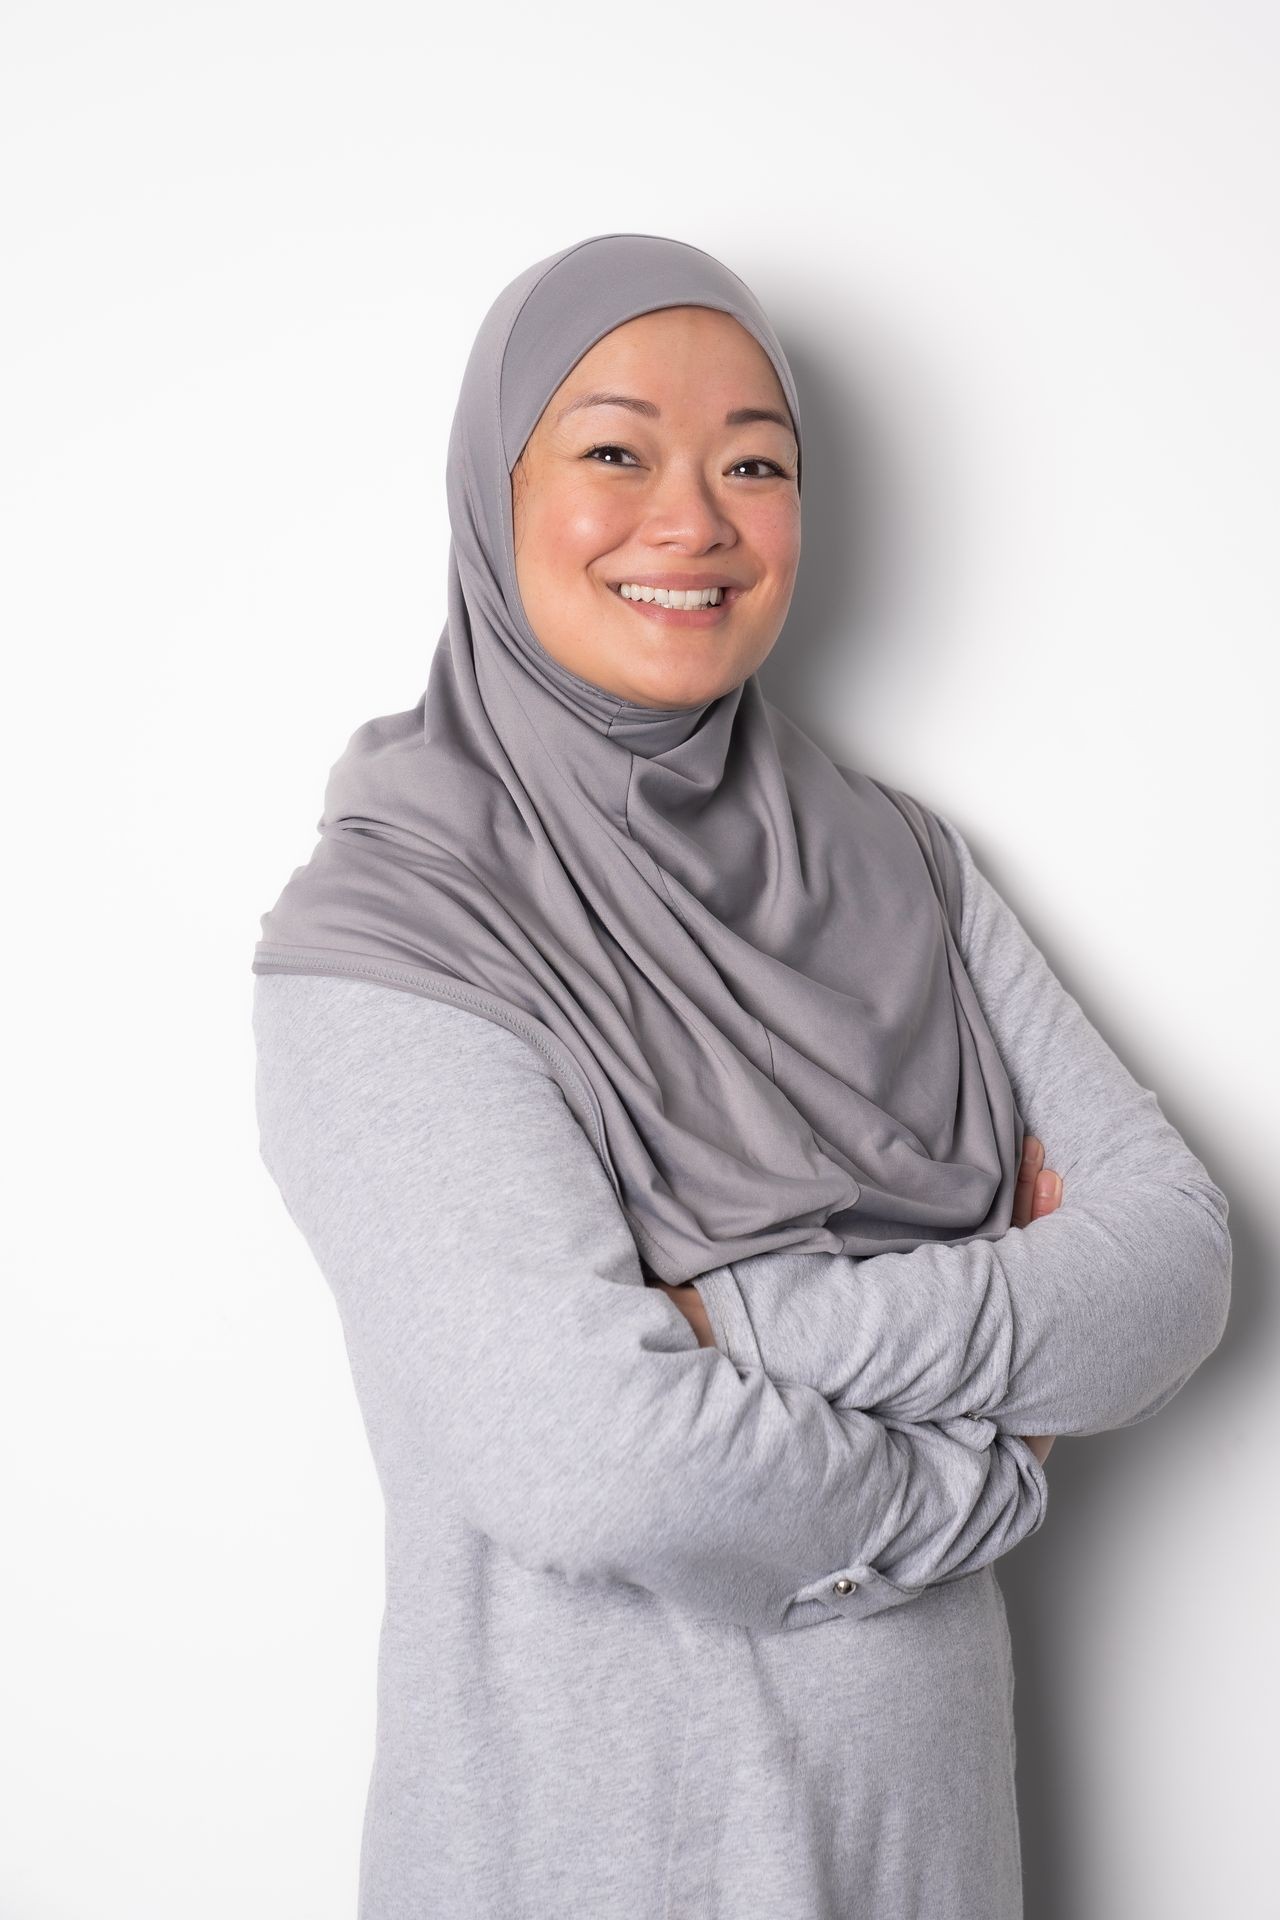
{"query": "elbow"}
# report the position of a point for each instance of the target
(1185, 1238)
(1204, 1263)
(1180, 1225)
(572, 1510)
(546, 1528)
(1209, 1208)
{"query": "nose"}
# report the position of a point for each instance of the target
(684, 511)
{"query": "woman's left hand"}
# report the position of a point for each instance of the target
(1038, 1192)
(689, 1301)
(1039, 1188)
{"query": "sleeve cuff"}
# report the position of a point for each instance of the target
(854, 1592)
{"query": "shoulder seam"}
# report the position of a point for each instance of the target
(431, 986)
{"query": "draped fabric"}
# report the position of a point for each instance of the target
(738, 957)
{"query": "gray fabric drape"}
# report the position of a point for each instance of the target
(739, 958)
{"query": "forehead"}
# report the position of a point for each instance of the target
(677, 361)
(674, 342)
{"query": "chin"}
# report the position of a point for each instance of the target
(677, 696)
(684, 689)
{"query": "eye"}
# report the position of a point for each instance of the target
(607, 447)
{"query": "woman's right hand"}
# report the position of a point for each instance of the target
(1037, 1193)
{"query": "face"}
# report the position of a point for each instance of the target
(665, 483)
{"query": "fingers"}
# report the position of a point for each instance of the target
(1038, 1189)
(1024, 1190)
(1048, 1194)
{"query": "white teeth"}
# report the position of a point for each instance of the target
(704, 597)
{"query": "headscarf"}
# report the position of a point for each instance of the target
(738, 958)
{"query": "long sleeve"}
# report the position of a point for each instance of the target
(503, 1340)
(1087, 1319)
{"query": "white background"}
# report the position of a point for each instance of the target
(1024, 260)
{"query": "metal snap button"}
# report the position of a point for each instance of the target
(846, 1586)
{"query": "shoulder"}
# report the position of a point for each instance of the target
(947, 855)
(302, 1013)
(960, 847)
(988, 933)
(309, 1005)
(371, 1098)
(358, 1061)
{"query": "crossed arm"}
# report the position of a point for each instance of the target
(509, 1358)
(868, 1439)
(1089, 1318)
(1037, 1192)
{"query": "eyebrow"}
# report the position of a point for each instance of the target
(736, 417)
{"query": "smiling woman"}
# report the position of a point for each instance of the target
(602, 972)
(701, 489)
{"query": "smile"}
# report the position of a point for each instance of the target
(672, 597)
(698, 607)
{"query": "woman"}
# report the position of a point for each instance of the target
(602, 973)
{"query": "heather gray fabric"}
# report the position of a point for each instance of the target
(737, 957)
(601, 1538)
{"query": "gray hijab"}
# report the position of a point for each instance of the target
(738, 958)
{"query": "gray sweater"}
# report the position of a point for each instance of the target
(674, 1632)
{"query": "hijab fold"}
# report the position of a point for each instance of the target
(739, 959)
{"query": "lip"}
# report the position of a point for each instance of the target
(680, 616)
(674, 582)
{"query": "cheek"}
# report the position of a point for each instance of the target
(775, 534)
(575, 531)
